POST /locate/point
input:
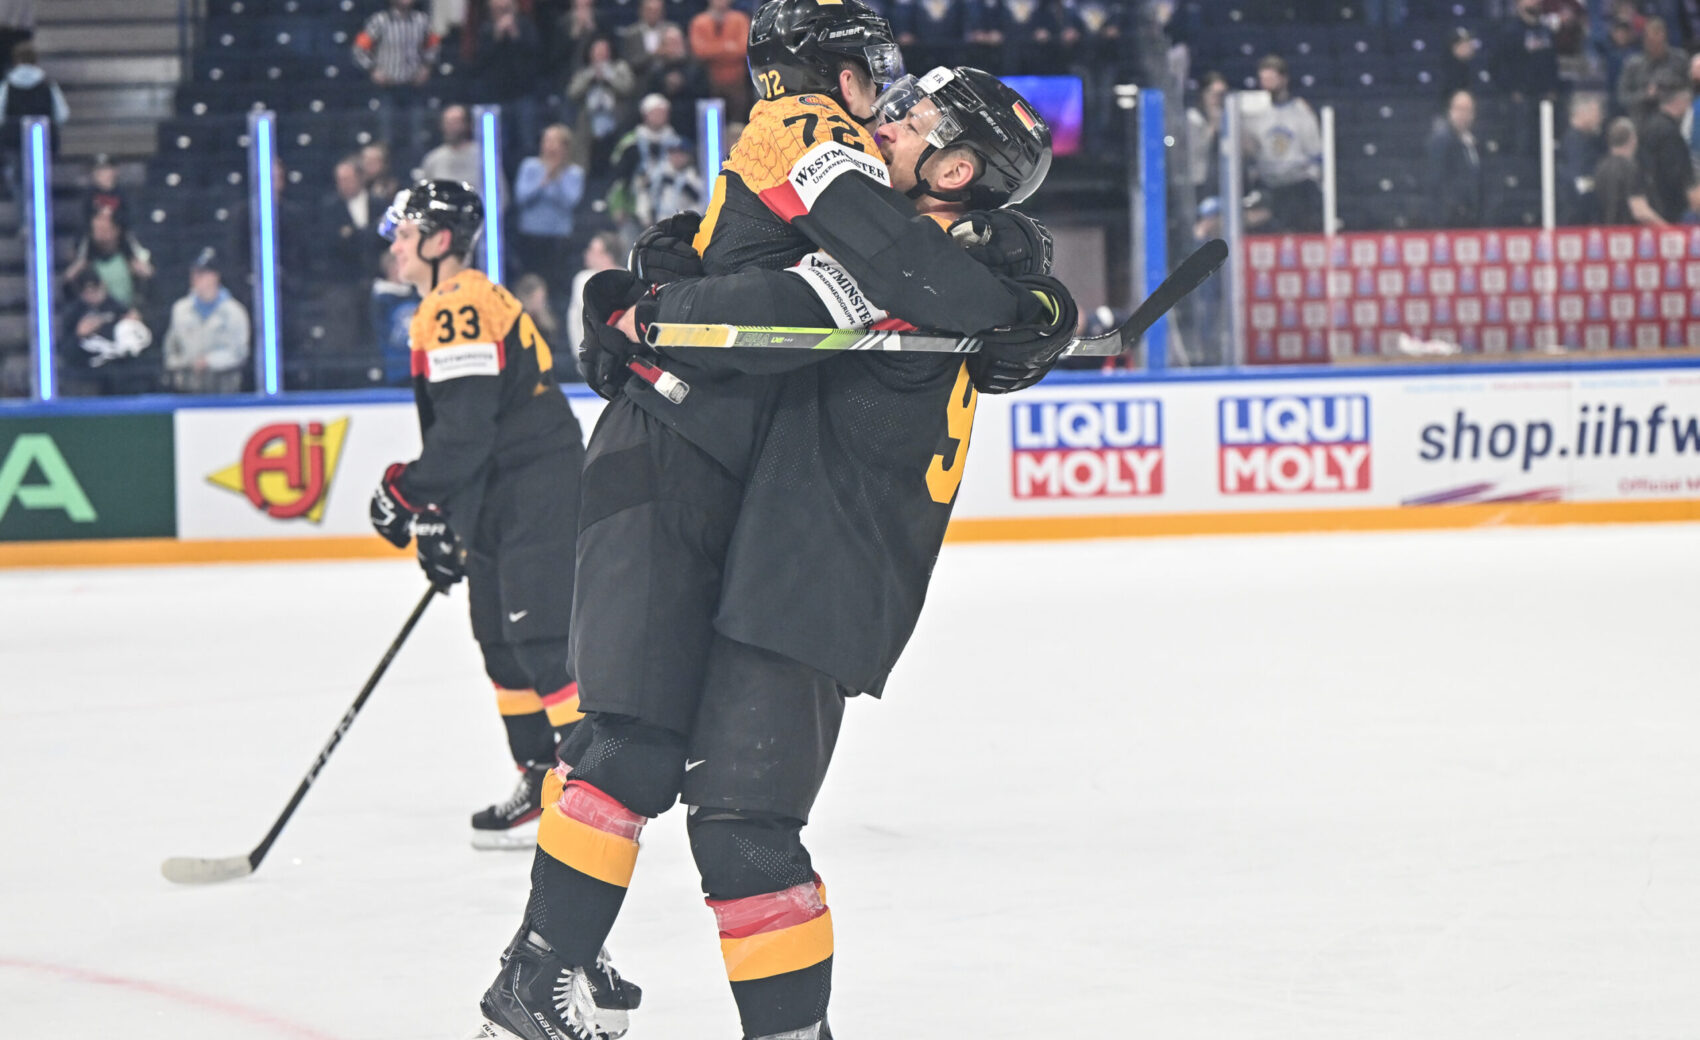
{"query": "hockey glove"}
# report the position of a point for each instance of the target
(663, 253)
(606, 354)
(440, 553)
(1005, 241)
(1017, 357)
(392, 515)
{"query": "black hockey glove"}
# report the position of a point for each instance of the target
(663, 253)
(440, 553)
(1005, 241)
(606, 353)
(1017, 357)
(392, 515)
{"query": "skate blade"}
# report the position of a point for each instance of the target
(523, 837)
(491, 1031)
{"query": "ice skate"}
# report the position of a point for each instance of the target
(512, 824)
(537, 997)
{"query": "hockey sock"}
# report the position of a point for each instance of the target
(530, 737)
(778, 952)
(562, 709)
(587, 847)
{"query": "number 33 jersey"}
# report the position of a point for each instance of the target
(486, 394)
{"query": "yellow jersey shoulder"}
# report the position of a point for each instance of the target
(782, 131)
(468, 308)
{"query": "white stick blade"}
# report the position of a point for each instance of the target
(194, 870)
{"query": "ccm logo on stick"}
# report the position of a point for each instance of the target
(1290, 445)
(1087, 449)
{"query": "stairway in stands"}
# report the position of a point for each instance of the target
(117, 62)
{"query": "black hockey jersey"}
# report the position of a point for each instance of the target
(487, 397)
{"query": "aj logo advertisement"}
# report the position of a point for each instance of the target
(286, 469)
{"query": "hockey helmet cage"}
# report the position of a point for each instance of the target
(442, 205)
(796, 46)
(978, 110)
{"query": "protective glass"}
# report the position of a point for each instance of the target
(885, 64)
(908, 100)
(397, 213)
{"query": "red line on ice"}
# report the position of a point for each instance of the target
(253, 1016)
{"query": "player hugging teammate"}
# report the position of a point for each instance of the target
(754, 554)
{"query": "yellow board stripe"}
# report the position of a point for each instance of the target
(518, 702)
(113, 552)
(603, 856)
(705, 230)
(766, 954)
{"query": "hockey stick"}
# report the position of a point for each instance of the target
(194, 870)
(1192, 273)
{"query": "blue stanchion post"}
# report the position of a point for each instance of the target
(1154, 198)
(711, 140)
(262, 173)
(488, 119)
(37, 146)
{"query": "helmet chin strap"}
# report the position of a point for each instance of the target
(923, 188)
(436, 264)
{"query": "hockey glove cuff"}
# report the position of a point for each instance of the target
(1015, 358)
(606, 351)
(1005, 241)
(392, 515)
(441, 556)
(664, 253)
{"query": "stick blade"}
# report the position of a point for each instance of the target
(195, 870)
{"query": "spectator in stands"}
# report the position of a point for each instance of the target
(398, 48)
(640, 40)
(1579, 154)
(458, 158)
(509, 69)
(931, 31)
(105, 192)
(602, 90)
(1525, 65)
(678, 79)
(393, 305)
(1456, 184)
(1619, 184)
(532, 292)
(1458, 69)
(640, 158)
(121, 263)
(27, 91)
(676, 187)
(546, 195)
(574, 32)
(101, 343)
(17, 25)
(380, 183)
(1284, 144)
(720, 38)
(603, 253)
(1663, 154)
(348, 221)
(1688, 121)
(207, 343)
(1638, 86)
(1620, 42)
(1204, 136)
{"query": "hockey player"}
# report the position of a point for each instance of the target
(663, 484)
(493, 495)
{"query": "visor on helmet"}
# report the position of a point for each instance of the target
(911, 99)
(885, 64)
(400, 210)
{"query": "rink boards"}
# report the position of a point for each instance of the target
(1079, 457)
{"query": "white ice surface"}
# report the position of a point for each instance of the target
(1376, 786)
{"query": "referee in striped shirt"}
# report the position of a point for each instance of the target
(399, 48)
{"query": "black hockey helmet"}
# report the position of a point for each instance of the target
(796, 46)
(977, 110)
(452, 206)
